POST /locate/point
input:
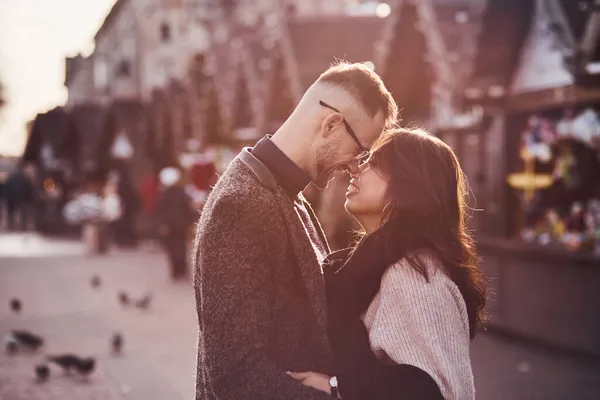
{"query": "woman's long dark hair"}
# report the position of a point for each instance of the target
(428, 210)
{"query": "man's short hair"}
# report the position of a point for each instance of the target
(366, 87)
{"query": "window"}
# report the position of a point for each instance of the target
(101, 73)
(165, 32)
(123, 69)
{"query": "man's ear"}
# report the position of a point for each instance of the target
(330, 124)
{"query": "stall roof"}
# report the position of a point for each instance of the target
(578, 15)
(505, 27)
(460, 24)
(54, 128)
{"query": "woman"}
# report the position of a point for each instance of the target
(404, 303)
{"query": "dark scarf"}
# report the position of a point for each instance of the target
(353, 278)
(353, 275)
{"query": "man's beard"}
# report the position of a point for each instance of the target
(323, 177)
(325, 170)
(325, 174)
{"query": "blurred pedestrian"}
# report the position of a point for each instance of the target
(175, 216)
(95, 207)
(149, 191)
(19, 197)
(125, 232)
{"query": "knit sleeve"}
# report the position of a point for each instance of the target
(423, 324)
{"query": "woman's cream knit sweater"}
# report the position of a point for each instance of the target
(425, 324)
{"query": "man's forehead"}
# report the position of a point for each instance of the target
(373, 127)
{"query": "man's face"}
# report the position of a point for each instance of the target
(339, 150)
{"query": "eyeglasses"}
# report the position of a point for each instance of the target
(361, 148)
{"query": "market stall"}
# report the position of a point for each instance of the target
(538, 158)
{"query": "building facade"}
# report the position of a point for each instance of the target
(141, 45)
(145, 44)
(79, 79)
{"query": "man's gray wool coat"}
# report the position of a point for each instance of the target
(259, 289)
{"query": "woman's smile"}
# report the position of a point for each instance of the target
(352, 188)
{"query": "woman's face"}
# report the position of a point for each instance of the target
(366, 195)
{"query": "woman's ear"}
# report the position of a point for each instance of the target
(387, 205)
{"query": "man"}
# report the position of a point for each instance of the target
(19, 196)
(258, 282)
(175, 213)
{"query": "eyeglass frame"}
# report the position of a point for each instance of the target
(349, 129)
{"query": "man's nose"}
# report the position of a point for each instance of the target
(352, 169)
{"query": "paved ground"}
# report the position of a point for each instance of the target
(160, 356)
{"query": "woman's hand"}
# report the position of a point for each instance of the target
(313, 380)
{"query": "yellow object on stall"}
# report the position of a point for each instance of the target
(528, 181)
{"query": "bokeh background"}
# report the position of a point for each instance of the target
(97, 97)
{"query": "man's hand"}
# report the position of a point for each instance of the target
(313, 379)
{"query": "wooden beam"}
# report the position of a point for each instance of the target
(551, 98)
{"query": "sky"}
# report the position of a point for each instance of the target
(35, 38)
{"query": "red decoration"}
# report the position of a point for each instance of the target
(202, 174)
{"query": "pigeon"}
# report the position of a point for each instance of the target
(66, 361)
(11, 344)
(72, 363)
(117, 343)
(42, 372)
(95, 281)
(123, 298)
(144, 302)
(28, 339)
(15, 305)
(86, 366)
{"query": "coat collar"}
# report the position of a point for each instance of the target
(289, 175)
(258, 169)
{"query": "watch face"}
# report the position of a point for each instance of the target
(333, 381)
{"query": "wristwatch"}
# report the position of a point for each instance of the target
(333, 385)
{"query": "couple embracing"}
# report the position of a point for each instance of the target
(283, 317)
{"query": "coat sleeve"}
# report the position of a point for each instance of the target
(238, 242)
